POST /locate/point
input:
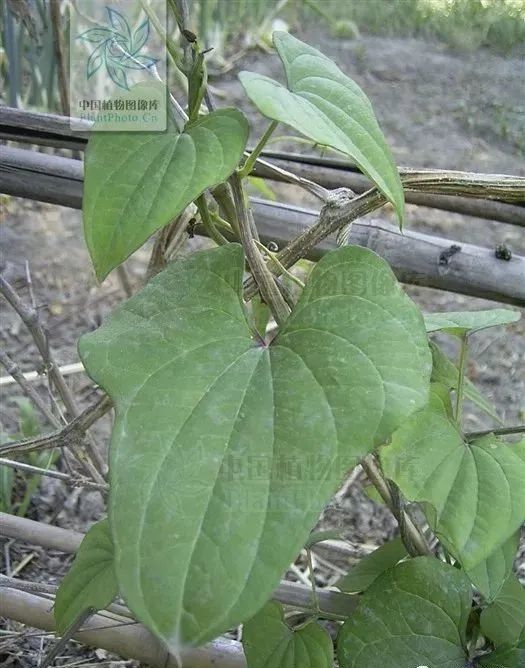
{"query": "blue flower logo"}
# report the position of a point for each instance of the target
(117, 48)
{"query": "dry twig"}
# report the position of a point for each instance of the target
(71, 436)
(14, 370)
(95, 465)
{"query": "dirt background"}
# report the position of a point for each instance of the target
(438, 108)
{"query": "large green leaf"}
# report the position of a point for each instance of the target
(372, 566)
(224, 451)
(503, 621)
(473, 494)
(137, 182)
(328, 107)
(269, 642)
(90, 583)
(461, 322)
(490, 575)
(413, 615)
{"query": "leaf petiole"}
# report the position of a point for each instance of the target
(247, 168)
(463, 356)
(207, 221)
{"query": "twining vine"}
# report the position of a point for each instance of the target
(230, 437)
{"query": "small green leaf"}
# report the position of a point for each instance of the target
(137, 182)
(224, 451)
(490, 575)
(445, 372)
(473, 494)
(372, 566)
(413, 615)
(462, 322)
(329, 108)
(90, 582)
(269, 642)
(503, 621)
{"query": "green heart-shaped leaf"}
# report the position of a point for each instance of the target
(413, 615)
(137, 182)
(503, 621)
(461, 322)
(224, 451)
(372, 566)
(325, 105)
(269, 642)
(90, 582)
(490, 575)
(473, 493)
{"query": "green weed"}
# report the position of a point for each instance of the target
(17, 488)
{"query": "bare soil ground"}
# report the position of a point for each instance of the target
(438, 109)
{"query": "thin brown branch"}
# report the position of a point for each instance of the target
(95, 465)
(14, 370)
(279, 174)
(31, 319)
(74, 480)
(341, 209)
(70, 436)
(24, 585)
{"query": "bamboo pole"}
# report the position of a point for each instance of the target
(414, 257)
(53, 130)
(332, 177)
(38, 533)
(127, 639)
(332, 603)
(24, 603)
